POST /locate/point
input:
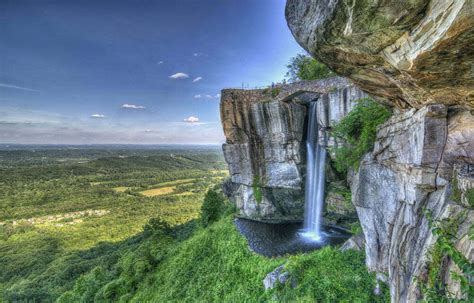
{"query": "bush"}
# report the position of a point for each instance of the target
(304, 67)
(212, 208)
(357, 130)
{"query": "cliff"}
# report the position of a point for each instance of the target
(409, 52)
(416, 56)
(265, 131)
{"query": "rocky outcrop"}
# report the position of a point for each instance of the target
(409, 52)
(416, 56)
(407, 175)
(356, 242)
(277, 276)
(265, 134)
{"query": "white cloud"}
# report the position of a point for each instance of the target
(98, 116)
(161, 62)
(208, 96)
(179, 76)
(197, 79)
(196, 54)
(17, 87)
(191, 119)
(132, 106)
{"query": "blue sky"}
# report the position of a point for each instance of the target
(89, 72)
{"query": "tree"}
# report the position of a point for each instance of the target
(212, 207)
(303, 67)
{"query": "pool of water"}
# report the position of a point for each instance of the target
(273, 240)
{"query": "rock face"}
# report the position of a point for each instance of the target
(417, 56)
(265, 150)
(406, 175)
(408, 52)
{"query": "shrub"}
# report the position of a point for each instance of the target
(357, 130)
(212, 208)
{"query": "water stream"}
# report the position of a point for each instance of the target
(315, 173)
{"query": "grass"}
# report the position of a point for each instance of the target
(215, 265)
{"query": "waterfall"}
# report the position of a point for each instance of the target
(315, 171)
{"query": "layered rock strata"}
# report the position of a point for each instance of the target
(408, 52)
(265, 132)
(416, 56)
(398, 183)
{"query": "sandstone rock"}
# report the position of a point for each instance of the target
(409, 52)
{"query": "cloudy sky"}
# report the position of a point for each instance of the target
(136, 71)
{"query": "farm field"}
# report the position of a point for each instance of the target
(57, 202)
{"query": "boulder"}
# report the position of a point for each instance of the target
(356, 242)
(279, 275)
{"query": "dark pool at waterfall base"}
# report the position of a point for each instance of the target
(272, 240)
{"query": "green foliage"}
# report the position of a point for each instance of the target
(60, 216)
(358, 130)
(275, 91)
(434, 290)
(257, 189)
(456, 194)
(212, 207)
(218, 261)
(470, 197)
(303, 67)
(157, 225)
(328, 275)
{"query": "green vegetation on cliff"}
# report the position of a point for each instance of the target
(357, 130)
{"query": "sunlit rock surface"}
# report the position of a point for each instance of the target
(408, 52)
(417, 56)
(396, 184)
(265, 142)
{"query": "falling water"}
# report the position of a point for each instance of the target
(314, 195)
